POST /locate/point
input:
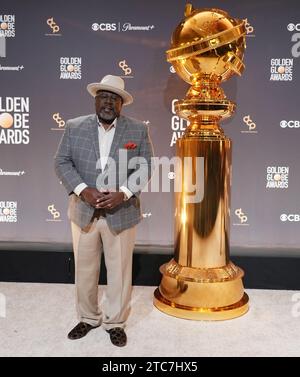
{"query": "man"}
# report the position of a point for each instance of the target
(104, 205)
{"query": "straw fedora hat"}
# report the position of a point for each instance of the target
(113, 84)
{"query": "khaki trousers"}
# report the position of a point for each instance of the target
(88, 244)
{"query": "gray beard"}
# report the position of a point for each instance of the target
(106, 121)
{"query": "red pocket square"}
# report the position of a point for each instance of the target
(130, 145)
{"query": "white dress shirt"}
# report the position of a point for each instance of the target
(105, 137)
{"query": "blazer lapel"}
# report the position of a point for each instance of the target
(95, 137)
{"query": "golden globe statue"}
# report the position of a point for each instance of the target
(201, 282)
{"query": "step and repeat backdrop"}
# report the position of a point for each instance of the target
(51, 50)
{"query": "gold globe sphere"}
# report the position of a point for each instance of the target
(207, 43)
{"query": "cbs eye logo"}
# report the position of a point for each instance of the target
(293, 27)
(291, 217)
(104, 27)
(290, 124)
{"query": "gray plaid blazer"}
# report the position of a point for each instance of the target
(77, 161)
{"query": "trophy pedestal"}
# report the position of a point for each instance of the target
(201, 282)
(201, 294)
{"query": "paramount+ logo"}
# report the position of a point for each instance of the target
(290, 124)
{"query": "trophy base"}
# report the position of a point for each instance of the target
(201, 314)
(201, 294)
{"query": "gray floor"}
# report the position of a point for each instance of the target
(39, 316)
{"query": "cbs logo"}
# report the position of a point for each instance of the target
(293, 27)
(104, 27)
(290, 124)
(290, 217)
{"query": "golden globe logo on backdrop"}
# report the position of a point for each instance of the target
(7, 25)
(281, 69)
(70, 68)
(178, 125)
(8, 212)
(277, 177)
(7, 30)
(14, 120)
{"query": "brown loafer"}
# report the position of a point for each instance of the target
(117, 336)
(80, 330)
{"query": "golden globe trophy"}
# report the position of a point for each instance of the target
(201, 282)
